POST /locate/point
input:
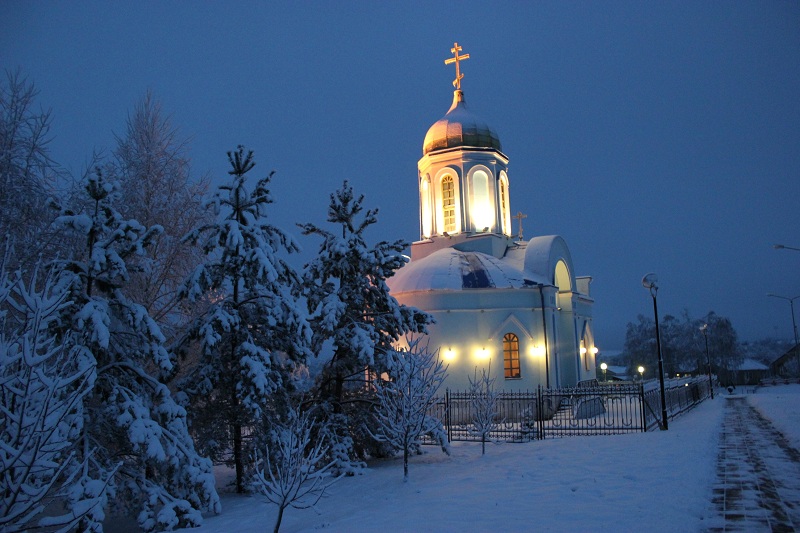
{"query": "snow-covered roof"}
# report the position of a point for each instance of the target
(752, 364)
(451, 269)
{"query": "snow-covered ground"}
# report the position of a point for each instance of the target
(657, 481)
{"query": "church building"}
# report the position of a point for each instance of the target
(498, 300)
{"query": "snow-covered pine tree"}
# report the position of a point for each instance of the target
(43, 385)
(136, 429)
(254, 331)
(404, 400)
(350, 303)
(483, 399)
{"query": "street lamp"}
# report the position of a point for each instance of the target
(641, 374)
(704, 329)
(604, 367)
(794, 324)
(649, 282)
(784, 247)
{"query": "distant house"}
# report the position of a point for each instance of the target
(787, 364)
(750, 372)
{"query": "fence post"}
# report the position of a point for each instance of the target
(447, 414)
(641, 407)
(539, 415)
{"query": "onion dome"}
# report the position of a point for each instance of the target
(459, 128)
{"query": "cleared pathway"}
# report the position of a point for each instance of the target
(758, 480)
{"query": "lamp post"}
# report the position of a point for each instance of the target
(604, 367)
(641, 374)
(704, 329)
(649, 282)
(794, 324)
(784, 247)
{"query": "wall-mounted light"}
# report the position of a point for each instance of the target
(449, 354)
(483, 353)
(594, 350)
(583, 350)
(537, 351)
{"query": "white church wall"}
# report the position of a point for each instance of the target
(469, 331)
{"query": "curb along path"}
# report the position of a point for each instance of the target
(758, 474)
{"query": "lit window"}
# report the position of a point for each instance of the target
(449, 203)
(511, 355)
(425, 202)
(481, 209)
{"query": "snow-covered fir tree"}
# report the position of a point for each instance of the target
(254, 332)
(135, 435)
(404, 400)
(43, 384)
(483, 399)
(350, 304)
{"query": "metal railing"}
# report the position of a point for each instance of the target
(591, 408)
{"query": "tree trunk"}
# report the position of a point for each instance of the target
(280, 518)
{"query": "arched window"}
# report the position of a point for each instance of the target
(511, 355)
(449, 203)
(481, 208)
(425, 202)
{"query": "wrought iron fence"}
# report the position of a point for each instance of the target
(591, 408)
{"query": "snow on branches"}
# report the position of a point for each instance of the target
(43, 384)
(404, 400)
(130, 413)
(294, 470)
(254, 330)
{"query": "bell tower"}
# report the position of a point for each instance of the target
(463, 182)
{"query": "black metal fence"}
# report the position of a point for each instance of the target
(591, 408)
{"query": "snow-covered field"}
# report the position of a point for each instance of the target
(657, 481)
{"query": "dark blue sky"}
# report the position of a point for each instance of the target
(653, 136)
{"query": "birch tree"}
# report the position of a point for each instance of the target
(405, 398)
(483, 398)
(294, 471)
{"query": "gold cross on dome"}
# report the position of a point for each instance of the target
(519, 216)
(455, 50)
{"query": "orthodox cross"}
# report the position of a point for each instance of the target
(455, 50)
(519, 216)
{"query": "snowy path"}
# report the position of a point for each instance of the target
(758, 485)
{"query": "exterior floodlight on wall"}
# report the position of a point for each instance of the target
(704, 329)
(649, 282)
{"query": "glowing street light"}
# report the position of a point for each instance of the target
(641, 373)
(604, 367)
(649, 282)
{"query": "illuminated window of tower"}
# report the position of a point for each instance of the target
(425, 202)
(449, 203)
(482, 210)
(511, 355)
